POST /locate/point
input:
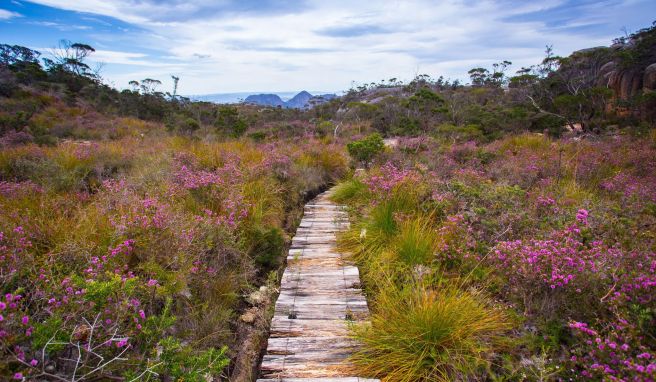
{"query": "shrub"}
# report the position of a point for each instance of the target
(229, 122)
(181, 363)
(365, 149)
(189, 125)
(142, 246)
(258, 136)
(459, 133)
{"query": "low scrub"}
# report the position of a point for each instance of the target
(559, 234)
(128, 259)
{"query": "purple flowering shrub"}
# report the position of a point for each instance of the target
(619, 351)
(569, 276)
(384, 181)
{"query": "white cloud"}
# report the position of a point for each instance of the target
(59, 26)
(124, 58)
(221, 46)
(6, 15)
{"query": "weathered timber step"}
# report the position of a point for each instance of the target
(320, 297)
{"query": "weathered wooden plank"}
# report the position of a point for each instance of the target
(315, 249)
(321, 293)
(301, 350)
(327, 224)
(321, 271)
(319, 283)
(326, 312)
(325, 218)
(310, 299)
(314, 234)
(315, 284)
(304, 369)
(299, 240)
(286, 327)
(310, 232)
(325, 228)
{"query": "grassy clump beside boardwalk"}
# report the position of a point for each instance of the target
(428, 334)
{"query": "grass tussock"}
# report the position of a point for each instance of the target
(415, 242)
(419, 334)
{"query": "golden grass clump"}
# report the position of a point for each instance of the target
(426, 334)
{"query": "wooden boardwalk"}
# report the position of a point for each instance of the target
(319, 294)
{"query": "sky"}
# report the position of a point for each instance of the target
(221, 46)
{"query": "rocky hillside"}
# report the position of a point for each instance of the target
(628, 67)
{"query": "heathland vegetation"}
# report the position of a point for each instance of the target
(506, 231)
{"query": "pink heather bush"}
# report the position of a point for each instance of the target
(569, 275)
(387, 178)
(94, 308)
(617, 355)
(569, 266)
(414, 144)
(630, 187)
(17, 189)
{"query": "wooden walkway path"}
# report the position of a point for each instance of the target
(319, 294)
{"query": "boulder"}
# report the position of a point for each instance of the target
(606, 73)
(248, 317)
(649, 78)
(624, 83)
(256, 298)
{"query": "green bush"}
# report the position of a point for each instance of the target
(190, 125)
(257, 136)
(407, 126)
(365, 149)
(459, 133)
(182, 363)
(229, 122)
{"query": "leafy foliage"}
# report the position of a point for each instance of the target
(365, 149)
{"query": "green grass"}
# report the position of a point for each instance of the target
(369, 238)
(415, 242)
(349, 191)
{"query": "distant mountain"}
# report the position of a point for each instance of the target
(265, 100)
(302, 100)
(299, 101)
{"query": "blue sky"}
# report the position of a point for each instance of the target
(218, 46)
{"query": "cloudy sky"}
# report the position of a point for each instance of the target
(218, 46)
